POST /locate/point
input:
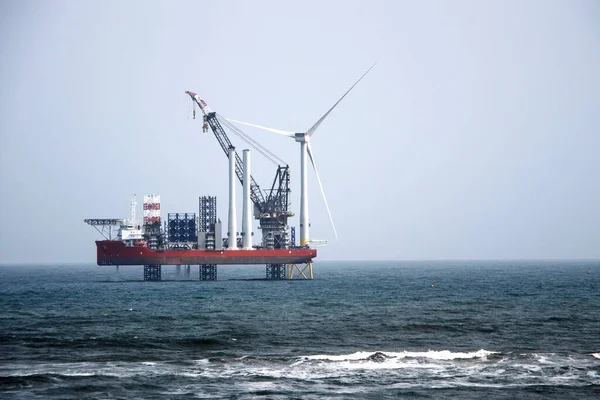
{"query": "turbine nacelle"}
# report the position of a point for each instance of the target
(301, 137)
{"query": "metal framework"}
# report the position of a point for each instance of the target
(152, 273)
(207, 217)
(103, 221)
(151, 209)
(295, 271)
(207, 272)
(276, 272)
(181, 228)
(104, 225)
(154, 236)
(274, 222)
(152, 222)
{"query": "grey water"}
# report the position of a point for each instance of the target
(359, 330)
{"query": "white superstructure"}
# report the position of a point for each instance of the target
(130, 231)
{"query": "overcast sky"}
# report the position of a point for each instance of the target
(477, 135)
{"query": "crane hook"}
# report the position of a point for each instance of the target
(205, 124)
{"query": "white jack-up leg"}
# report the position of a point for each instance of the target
(232, 234)
(247, 213)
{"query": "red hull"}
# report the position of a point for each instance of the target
(114, 252)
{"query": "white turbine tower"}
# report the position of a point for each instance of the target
(306, 149)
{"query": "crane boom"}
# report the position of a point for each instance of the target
(273, 211)
(200, 101)
(211, 118)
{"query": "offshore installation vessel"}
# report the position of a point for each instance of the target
(196, 239)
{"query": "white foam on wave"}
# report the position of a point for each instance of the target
(353, 371)
(359, 355)
(431, 354)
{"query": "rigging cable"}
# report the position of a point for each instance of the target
(252, 142)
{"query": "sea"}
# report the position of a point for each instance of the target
(359, 330)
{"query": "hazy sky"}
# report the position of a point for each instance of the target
(477, 135)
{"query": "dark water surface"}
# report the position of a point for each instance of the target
(360, 330)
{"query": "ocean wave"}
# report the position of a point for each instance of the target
(431, 354)
(276, 364)
(426, 369)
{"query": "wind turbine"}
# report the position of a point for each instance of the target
(306, 149)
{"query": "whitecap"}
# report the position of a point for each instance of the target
(448, 355)
(597, 355)
(430, 354)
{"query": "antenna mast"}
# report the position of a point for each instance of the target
(133, 206)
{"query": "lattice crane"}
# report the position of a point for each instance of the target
(271, 208)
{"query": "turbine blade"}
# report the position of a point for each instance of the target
(277, 131)
(312, 160)
(316, 125)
